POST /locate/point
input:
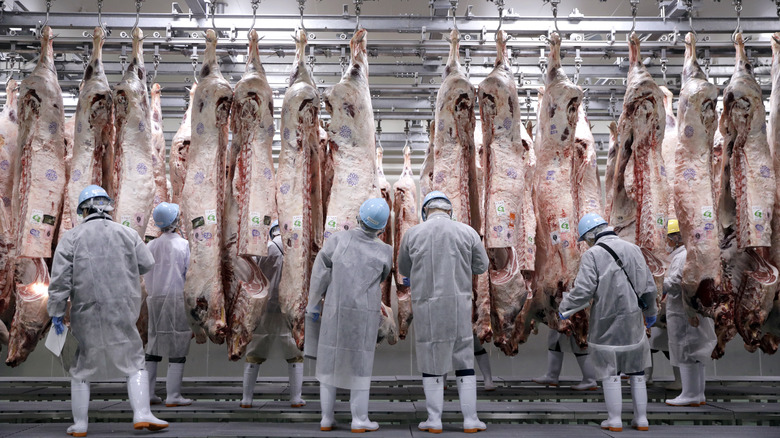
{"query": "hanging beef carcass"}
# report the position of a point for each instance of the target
(693, 190)
(557, 255)
(586, 182)
(250, 201)
(405, 209)
(609, 173)
(180, 151)
(747, 198)
(386, 191)
(158, 159)
(641, 193)
(94, 131)
(133, 148)
(506, 145)
(426, 170)
(31, 319)
(7, 271)
(39, 177)
(326, 171)
(481, 310)
(300, 135)
(9, 151)
(668, 148)
(772, 324)
(203, 198)
(351, 137)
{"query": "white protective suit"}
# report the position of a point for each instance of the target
(98, 265)
(687, 344)
(347, 271)
(440, 256)
(616, 337)
(272, 333)
(169, 330)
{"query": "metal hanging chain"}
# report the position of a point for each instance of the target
(301, 7)
(138, 4)
(358, 4)
(738, 8)
(48, 7)
(634, 4)
(213, 11)
(454, 9)
(689, 8)
(100, 19)
(500, 6)
(255, 5)
(554, 4)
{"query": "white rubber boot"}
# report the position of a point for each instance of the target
(689, 396)
(173, 386)
(613, 398)
(295, 371)
(327, 400)
(639, 399)
(79, 405)
(483, 361)
(702, 383)
(434, 404)
(250, 378)
(554, 365)
(358, 404)
(588, 382)
(151, 369)
(677, 384)
(138, 392)
(467, 393)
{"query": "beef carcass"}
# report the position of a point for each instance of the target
(351, 137)
(668, 148)
(7, 270)
(203, 199)
(747, 200)
(386, 191)
(39, 178)
(300, 134)
(180, 151)
(640, 200)
(94, 130)
(454, 163)
(586, 183)
(69, 130)
(326, 171)
(557, 255)
(253, 134)
(426, 170)
(158, 159)
(133, 148)
(693, 192)
(9, 151)
(31, 318)
(609, 172)
(772, 324)
(506, 144)
(248, 302)
(405, 212)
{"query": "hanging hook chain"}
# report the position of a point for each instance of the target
(301, 7)
(213, 11)
(689, 9)
(454, 9)
(358, 4)
(634, 4)
(500, 6)
(137, 14)
(100, 19)
(738, 9)
(255, 4)
(48, 7)
(554, 4)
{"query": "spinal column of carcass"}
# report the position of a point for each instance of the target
(158, 159)
(203, 199)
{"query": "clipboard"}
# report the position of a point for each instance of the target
(63, 346)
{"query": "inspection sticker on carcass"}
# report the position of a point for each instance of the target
(211, 217)
(297, 223)
(126, 220)
(36, 217)
(331, 223)
(758, 214)
(706, 213)
(563, 225)
(254, 219)
(501, 208)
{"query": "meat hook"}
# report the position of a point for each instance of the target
(358, 4)
(634, 4)
(738, 8)
(689, 8)
(454, 9)
(137, 15)
(301, 7)
(255, 4)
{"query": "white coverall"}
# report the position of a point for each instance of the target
(687, 344)
(169, 330)
(348, 271)
(98, 265)
(616, 337)
(440, 257)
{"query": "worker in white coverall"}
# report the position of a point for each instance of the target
(440, 256)
(272, 334)
(98, 266)
(169, 331)
(555, 340)
(614, 275)
(347, 273)
(689, 347)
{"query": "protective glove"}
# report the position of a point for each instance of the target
(315, 317)
(650, 320)
(564, 318)
(59, 327)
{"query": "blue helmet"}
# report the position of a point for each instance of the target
(430, 197)
(274, 227)
(165, 214)
(94, 193)
(374, 213)
(587, 223)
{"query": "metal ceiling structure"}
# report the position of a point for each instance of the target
(407, 52)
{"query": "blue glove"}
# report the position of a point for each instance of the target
(564, 318)
(59, 327)
(315, 317)
(650, 320)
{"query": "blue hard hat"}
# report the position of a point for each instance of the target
(274, 224)
(430, 197)
(165, 214)
(374, 213)
(587, 223)
(91, 192)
